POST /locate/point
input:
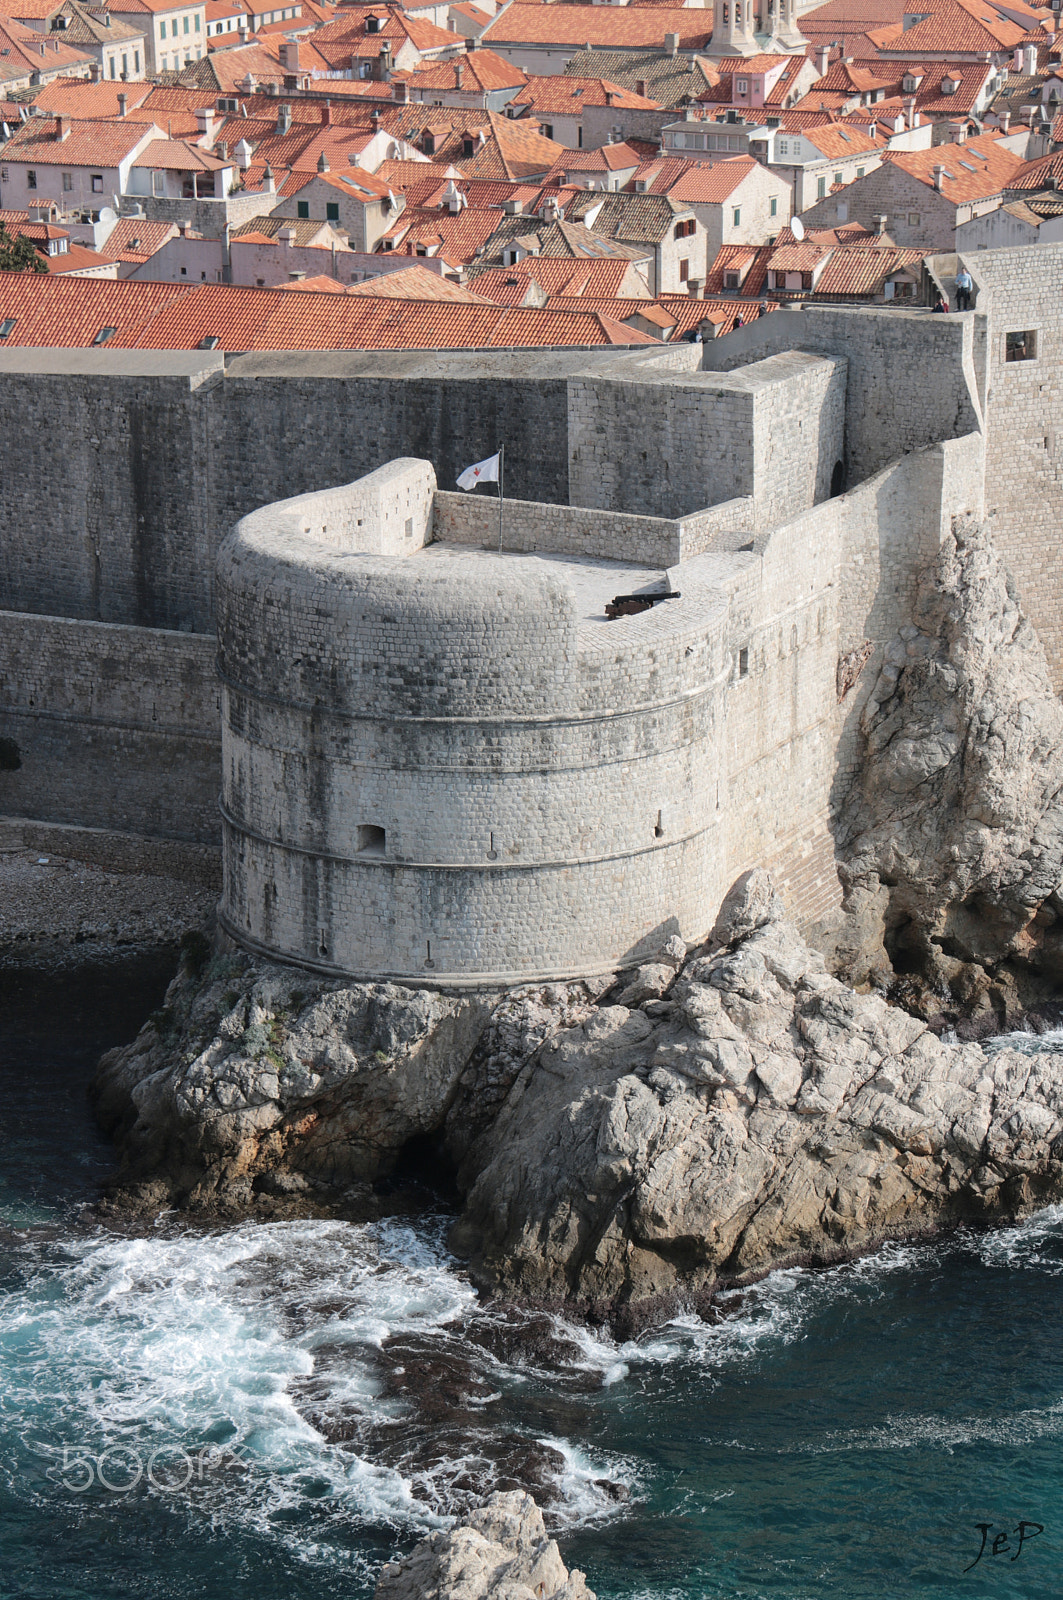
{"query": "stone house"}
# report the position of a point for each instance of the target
(358, 205)
(818, 160)
(118, 50)
(175, 33)
(73, 163)
(924, 195)
(668, 229)
(27, 59)
(736, 201)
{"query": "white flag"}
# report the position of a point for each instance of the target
(481, 472)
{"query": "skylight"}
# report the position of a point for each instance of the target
(7, 326)
(104, 334)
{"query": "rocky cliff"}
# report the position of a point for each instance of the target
(760, 1111)
(951, 842)
(498, 1552)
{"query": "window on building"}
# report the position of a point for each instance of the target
(734, 141)
(548, 130)
(743, 663)
(821, 188)
(196, 19)
(31, 180)
(136, 60)
(184, 272)
(114, 72)
(68, 182)
(468, 147)
(742, 85)
(782, 147)
(1021, 346)
(806, 280)
(913, 219)
(839, 177)
(773, 206)
(186, 24)
(97, 183)
(684, 271)
(860, 171)
(579, 137)
(162, 30)
(372, 841)
(736, 216)
(209, 341)
(302, 208)
(332, 211)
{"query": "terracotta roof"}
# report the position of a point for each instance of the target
(321, 284)
(962, 26)
(607, 158)
(74, 97)
(510, 150)
(89, 143)
(72, 311)
(178, 155)
(630, 217)
(701, 182)
(457, 236)
(136, 239)
(23, 51)
(832, 140)
(598, 278)
(480, 69)
(863, 272)
(973, 171)
(562, 94)
(417, 283)
(615, 26)
(1032, 176)
(307, 230)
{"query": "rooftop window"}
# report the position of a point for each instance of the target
(7, 326)
(104, 334)
(209, 341)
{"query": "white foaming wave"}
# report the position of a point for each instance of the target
(1026, 1041)
(908, 1431)
(186, 1340)
(1035, 1244)
(580, 1483)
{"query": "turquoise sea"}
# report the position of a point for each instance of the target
(268, 1412)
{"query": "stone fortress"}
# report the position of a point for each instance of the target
(439, 762)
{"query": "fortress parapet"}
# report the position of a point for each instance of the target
(443, 763)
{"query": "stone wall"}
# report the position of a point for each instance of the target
(114, 727)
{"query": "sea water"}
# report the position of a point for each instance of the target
(270, 1411)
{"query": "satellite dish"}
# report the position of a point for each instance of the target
(797, 228)
(107, 215)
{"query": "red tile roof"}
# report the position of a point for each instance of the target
(89, 143)
(75, 97)
(480, 69)
(562, 95)
(71, 312)
(23, 51)
(973, 171)
(598, 26)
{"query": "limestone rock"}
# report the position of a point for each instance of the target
(952, 839)
(774, 1114)
(498, 1552)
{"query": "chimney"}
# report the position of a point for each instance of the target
(290, 55)
(909, 111)
(640, 87)
(823, 59)
(205, 123)
(123, 105)
(939, 176)
(287, 236)
(284, 119)
(1005, 122)
(401, 93)
(322, 162)
(880, 226)
(459, 73)
(671, 43)
(326, 114)
(62, 129)
(374, 120)
(296, 277)
(382, 65)
(267, 180)
(1029, 60)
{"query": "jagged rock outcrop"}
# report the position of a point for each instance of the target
(763, 1112)
(256, 1082)
(952, 840)
(498, 1552)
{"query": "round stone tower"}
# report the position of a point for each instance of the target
(437, 768)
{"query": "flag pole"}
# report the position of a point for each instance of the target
(501, 468)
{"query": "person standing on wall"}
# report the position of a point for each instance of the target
(964, 286)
